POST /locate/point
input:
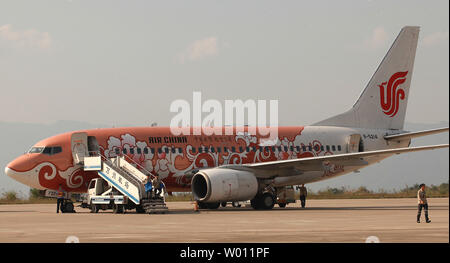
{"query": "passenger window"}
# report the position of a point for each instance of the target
(298, 148)
(166, 150)
(273, 148)
(132, 150)
(225, 149)
(328, 148)
(139, 151)
(159, 150)
(200, 150)
(321, 148)
(219, 150)
(279, 148)
(285, 148)
(333, 148)
(233, 149)
(124, 151)
(206, 149)
(180, 150)
(152, 150)
(117, 150)
(339, 148)
(212, 149)
(145, 150)
(304, 148)
(240, 149)
(193, 149)
(247, 149)
(173, 150)
(292, 148)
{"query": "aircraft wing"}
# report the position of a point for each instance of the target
(297, 166)
(410, 135)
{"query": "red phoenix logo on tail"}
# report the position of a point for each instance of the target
(390, 99)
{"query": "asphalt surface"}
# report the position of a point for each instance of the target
(349, 220)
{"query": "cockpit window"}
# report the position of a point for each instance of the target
(56, 149)
(46, 150)
(36, 150)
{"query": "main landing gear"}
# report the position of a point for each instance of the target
(264, 201)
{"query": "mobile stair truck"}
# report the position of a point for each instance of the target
(120, 187)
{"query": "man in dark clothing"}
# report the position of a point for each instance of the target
(423, 203)
(303, 194)
(60, 200)
(148, 187)
(156, 183)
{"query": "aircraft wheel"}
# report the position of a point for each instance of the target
(140, 210)
(267, 201)
(68, 207)
(223, 204)
(282, 205)
(256, 202)
(236, 204)
(202, 205)
(213, 205)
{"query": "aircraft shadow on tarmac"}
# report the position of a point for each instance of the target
(290, 209)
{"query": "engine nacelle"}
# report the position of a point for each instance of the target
(222, 184)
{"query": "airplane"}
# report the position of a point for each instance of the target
(237, 167)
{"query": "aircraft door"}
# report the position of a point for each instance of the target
(79, 145)
(354, 143)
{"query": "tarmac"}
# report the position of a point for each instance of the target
(345, 220)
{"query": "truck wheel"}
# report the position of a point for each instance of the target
(94, 208)
(115, 209)
(120, 209)
(236, 204)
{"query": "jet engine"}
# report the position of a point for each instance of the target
(223, 184)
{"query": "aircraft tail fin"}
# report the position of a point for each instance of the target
(382, 104)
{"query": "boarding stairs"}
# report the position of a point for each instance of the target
(121, 172)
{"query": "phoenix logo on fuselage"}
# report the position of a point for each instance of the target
(390, 99)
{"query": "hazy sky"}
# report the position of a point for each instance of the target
(116, 62)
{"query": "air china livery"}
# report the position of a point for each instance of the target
(220, 168)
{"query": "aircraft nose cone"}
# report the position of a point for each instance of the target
(19, 171)
(8, 171)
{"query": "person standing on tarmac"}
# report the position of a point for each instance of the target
(60, 199)
(423, 203)
(148, 187)
(303, 194)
